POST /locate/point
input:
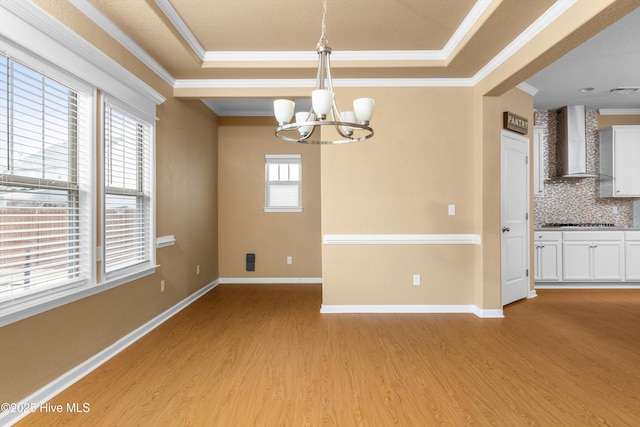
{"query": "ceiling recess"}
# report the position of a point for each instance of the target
(626, 90)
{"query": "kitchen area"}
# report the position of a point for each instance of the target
(586, 163)
(586, 205)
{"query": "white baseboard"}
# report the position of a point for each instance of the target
(58, 385)
(488, 313)
(269, 280)
(406, 308)
(577, 285)
(532, 294)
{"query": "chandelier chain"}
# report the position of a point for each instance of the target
(323, 42)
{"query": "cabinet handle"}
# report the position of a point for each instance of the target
(505, 229)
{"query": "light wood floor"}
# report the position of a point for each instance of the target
(263, 356)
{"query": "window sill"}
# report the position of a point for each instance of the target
(32, 307)
(283, 209)
(164, 241)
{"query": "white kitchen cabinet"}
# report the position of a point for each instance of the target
(619, 160)
(576, 257)
(548, 256)
(607, 261)
(539, 138)
(593, 256)
(632, 255)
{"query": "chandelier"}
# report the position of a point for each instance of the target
(351, 126)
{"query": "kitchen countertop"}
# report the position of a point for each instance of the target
(577, 228)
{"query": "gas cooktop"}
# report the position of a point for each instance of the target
(578, 224)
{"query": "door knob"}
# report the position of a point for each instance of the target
(505, 229)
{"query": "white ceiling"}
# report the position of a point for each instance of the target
(608, 60)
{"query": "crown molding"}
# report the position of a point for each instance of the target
(173, 16)
(560, 7)
(41, 34)
(296, 56)
(312, 56)
(306, 83)
(467, 24)
(550, 15)
(301, 56)
(619, 111)
(527, 88)
(121, 37)
(248, 56)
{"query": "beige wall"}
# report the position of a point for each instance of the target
(39, 349)
(489, 289)
(243, 224)
(605, 121)
(420, 160)
(401, 182)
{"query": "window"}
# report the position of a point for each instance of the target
(55, 204)
(127, 192)
(283, 183)
(43, 140)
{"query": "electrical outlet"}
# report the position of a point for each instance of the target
(198, 270)
(614, 210)
(289, 260)
(161, 285)
(452, 210)
(416, 280)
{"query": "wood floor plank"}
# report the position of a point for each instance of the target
(246, 355)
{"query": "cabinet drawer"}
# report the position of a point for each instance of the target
(632, 235)
(591, 236)
(551, 236)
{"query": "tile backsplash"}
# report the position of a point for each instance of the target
(576, 200)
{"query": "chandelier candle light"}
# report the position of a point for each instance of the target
(350, 125)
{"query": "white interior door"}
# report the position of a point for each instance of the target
(514, 192)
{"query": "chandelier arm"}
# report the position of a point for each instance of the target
(328, 69)
(306, 140)
(320, 74)
(335, 112)
(307, 136)
(338, 127)
(327, 64)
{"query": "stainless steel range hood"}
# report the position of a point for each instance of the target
(571, 148)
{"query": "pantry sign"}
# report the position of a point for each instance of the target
(515, 123)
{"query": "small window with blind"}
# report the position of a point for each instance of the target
(283, 183)
(128, 238)
(44, 152)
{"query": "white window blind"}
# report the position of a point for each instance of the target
(127, 190)
(41, 204)
(283, 183)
